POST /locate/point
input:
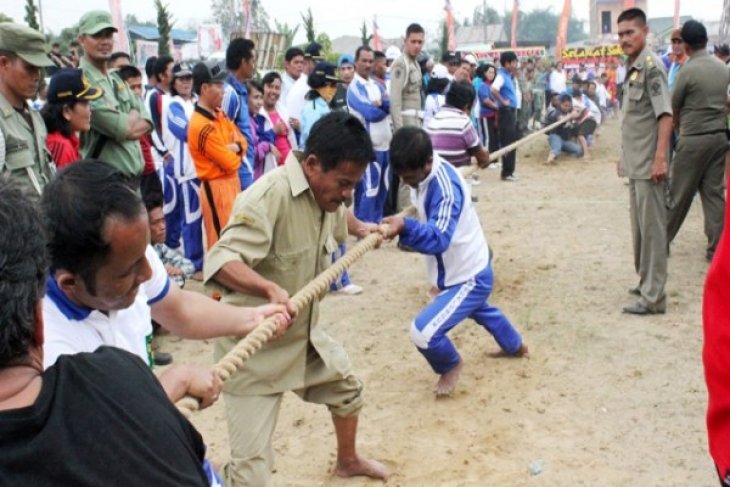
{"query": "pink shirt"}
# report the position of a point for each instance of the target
(281, 141)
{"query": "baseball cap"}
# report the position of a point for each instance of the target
(471, 59)
(70, 84)
(694, 32)
(28, 44)
(323, 73)
(345, 59)
(392, 53)
(180, 70)
(210, 71)
(313, 51)
(95, 21)
(439, 71)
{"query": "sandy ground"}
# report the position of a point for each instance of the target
(604, 399)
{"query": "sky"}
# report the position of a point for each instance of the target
(336, 18)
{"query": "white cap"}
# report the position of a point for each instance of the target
(440, 72)
(472, 60)
(392, 53)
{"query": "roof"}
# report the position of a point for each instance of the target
(480, 34)
(150, 33)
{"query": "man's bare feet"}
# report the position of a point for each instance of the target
(551, 158)
(447, 382)
(362, 466)
(499, 353)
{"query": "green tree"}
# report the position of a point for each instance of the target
(164, 26)
(66, 37)
(484, 15)
(444, 41)
(288, 32)
(5, 18)
(541, 26)
(131, 19)
(364, 37)
(31, 15)
(308, 21)
(229, 15)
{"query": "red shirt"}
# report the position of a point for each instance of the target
(149, 163)
(64, 150)
(716, 351)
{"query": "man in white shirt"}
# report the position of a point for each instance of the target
(107, 283)
(557, 79)
(295, 98)
(368, 101)
(293, 68)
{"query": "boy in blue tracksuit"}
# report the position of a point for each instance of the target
(458, 259)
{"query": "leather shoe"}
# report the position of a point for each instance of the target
(635, 291)
(641, 309)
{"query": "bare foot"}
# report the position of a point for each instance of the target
(433, 292)
(198, 276)
(447, 382)
(499, 353)
(551, 158)
(362, 466)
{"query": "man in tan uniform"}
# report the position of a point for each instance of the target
(406, 108)
(24, 157)
(281, 234)
(645, 132)
(698, 101)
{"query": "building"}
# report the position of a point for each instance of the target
(478, 36)
(603, 16)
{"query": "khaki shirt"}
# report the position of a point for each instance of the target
(278, 230)
(645, 99)
(700, 93)
(110, 120)
(405, 89)
(27, 161)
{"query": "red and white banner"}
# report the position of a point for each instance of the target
(247, 18)
(210, 39)
(515, 13)
(562, 38)
(450, 25)
(676, 14)
(377, 40)
(121, 43)
(629, 4)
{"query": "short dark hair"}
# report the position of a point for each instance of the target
(436, 85)
(292, 52)
(410, 149)
(363, 49)
(270, 77)
(149, 66)
(238, 50)
(52, 114)
(76, 205)
(128, 72)
(414, 29)
(252, 84)
(55, 44)
(152, 200)
(378, 55)
(460, 95)
(23, 270)
(635, 14)
(117, 55)
(338, 137)
(161, 65)
(507, 57)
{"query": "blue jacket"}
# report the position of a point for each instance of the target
(508, 91)
(235, 106)
(313, 110)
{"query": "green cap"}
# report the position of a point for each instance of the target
(95, 21)
(28, 44)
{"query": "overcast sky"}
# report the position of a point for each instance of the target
(339, 17)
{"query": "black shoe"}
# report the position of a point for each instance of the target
(635, 291)
(641, 309)
(162, 358)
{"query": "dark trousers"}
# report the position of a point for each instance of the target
(507, 135)
(391, 200)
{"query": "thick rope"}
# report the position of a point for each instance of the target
(253, 342)
(467, 171)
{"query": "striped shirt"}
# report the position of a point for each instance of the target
(453, 135)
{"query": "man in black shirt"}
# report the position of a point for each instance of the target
(91, 419)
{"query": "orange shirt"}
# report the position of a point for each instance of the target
(208, 138)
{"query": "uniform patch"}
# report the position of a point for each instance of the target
(397, 73)
(634, 75)
(655, 88)
(244, 220)
(653, 73)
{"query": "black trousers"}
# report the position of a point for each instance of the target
(507, 135)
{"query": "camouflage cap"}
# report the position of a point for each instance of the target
(93, 22)
(28, 44)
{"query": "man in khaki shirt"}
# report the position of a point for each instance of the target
(118, 119)
(281, 234)
(23, 157)
(698, 101)
(645, 131)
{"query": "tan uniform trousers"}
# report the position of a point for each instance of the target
(648, 211)
(404, 191)
(252, 420)
(699, 165)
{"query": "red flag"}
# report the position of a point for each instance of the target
(562, 38)
(515, 12)
(247, 18)
(120, 41)
(676, 14)
(450, 25)
(377, 41)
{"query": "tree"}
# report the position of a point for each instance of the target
(229, 15)
(66, 37)
(541, 26)
(444, 42)
(5, 18)
(484, 15)
(364, 37)
(164, 26)
(324, 40)
(31, 15)
(288, 32)
(308, 21)
(131, 19)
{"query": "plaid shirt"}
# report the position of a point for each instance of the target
(173, 258)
